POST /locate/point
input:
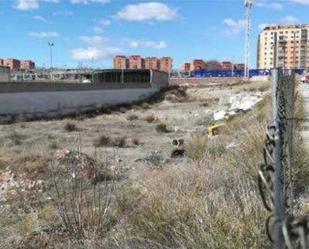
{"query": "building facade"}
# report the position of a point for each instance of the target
(239, 66)
(13, 64)
(284, 46)
(186, 67)
(197, 64)
(166, 64)
(226, 65)
(152, 63)
(27, 65)
(136, 62)
(121, 62)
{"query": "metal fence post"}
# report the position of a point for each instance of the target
(275, 75)
(279, 209)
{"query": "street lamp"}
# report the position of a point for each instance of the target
(51, 45)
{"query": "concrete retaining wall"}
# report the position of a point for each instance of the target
(204, 81)
(27, 101)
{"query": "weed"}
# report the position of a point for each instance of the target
(145, 106)
(102, 141)
(197, 147)
(132, 117)
(119, 141)
(17, 138)
(135, 141)
(150, 118)
(70, 127)
(161, 127)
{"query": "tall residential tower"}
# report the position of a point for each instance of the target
(284, 46)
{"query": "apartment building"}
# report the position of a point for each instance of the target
(136, 62)
(284, 46)
(239, 66)
(152, 63)
(27, 65)
(121, 62)
(13, 64)
(226, 65)
(197, 64)
(186, 67)
(166, 64)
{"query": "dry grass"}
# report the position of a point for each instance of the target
(102, 141)
(212, 205)
(119, 141)
(150, 118)
(261, 86)
(70, 127)
(136, 141)
(161, 127)
(132, 117)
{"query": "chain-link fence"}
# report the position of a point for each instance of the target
(284, 228)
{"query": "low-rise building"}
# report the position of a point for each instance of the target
(4, 74)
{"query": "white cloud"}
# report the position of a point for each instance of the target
(305, 2)
(147, 11)
(89, 1)
(104, 22)
(93, 53)
(44, 34)
(93, 41)
(27, 4)
(40, 18)
(63, 13)
(263, 25)
(234, 26)
(147, 44)
(269, 5)
(96, 49)
(31, 4)
(290, 20)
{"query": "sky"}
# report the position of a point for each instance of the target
(91, 32)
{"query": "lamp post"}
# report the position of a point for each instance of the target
(51, 45)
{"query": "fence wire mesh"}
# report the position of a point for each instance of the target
(275, 180)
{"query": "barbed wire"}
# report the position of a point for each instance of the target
(275, 172)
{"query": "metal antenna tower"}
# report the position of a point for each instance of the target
(248, 6)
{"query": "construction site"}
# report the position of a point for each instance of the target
(141, 156)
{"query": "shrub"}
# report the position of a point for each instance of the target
(119, 141)
(197, 147)
(102, 140)
(54, 145)
(85, 211)
(123, 109)
(161, 127)
(135, 141)
(16, 137)
(150, 118)
(70, 127)
(132, 117)
(145, 106)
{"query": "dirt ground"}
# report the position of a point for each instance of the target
(144, 144)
